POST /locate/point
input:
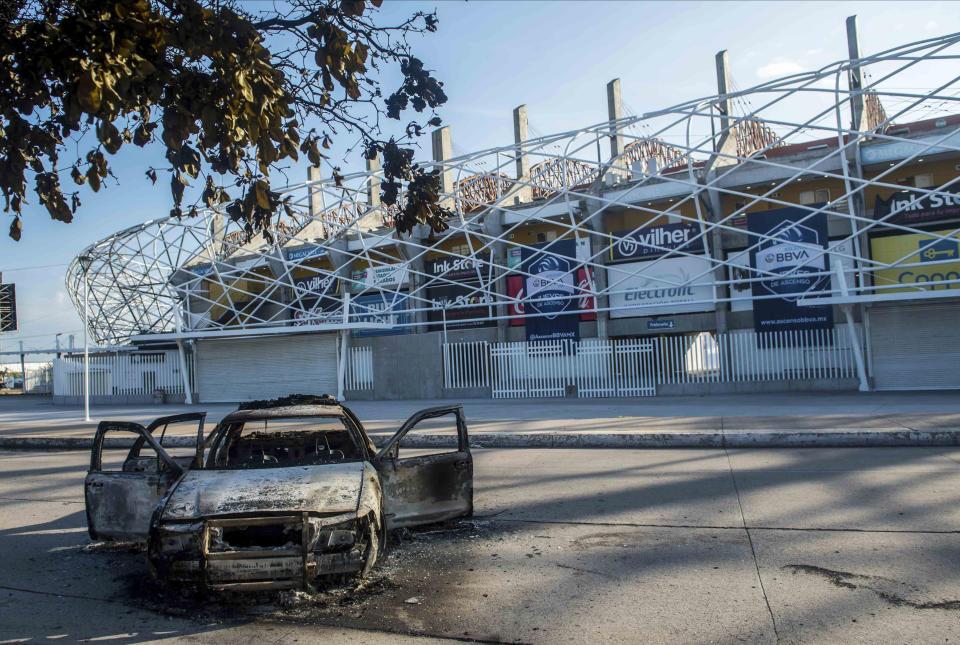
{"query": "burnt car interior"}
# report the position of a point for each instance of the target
(279, 443)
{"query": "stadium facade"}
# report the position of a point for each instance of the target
(801, 234)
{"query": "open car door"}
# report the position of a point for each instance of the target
(425, 488)
(120, 498)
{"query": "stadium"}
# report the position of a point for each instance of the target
(810, 240)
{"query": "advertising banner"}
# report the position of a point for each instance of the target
(318, 300)
(916, 248)
(652, 287)
(549, 291)
(459, 269)
(464, 306)
(381, 275)
(792, 254)
(304, 252)
(515, 290)
(739, 273)
(653, 241)
(912, 207)
(381, 308)
(585, 303)
(586, 287)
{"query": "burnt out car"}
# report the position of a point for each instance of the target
(277, 495)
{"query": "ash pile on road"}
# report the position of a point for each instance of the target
(395, 580)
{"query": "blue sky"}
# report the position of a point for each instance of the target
(555, 57)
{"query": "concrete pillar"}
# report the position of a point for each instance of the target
(373, 187)
(723, 87)
(521, 132)
(597, 223)
(493, 226)
(726, 144)
(857, 203)
(443, 150)
(615, 113)
(316, 197)
(856, 74)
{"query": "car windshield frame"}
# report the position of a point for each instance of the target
(229, 425)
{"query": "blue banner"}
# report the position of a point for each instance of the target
(793, 253)
(550, 300)
(381, 308)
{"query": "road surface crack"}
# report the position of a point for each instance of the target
(753, 551)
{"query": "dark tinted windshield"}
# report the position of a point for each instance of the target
(278, 443)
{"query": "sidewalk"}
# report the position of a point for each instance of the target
(732, 420)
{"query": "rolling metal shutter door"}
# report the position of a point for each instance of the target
(916, 347)
(261, 368)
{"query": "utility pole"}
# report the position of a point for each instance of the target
(23, 371)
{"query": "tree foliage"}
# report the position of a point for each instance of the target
(227, 93)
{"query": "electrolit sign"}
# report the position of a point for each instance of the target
(651, 241)
(794, 251)
(658, 287)
(550, 291)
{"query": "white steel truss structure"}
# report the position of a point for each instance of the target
(850, 130)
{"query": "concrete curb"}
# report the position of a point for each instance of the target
(734, 439)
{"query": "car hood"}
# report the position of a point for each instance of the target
(331, 488)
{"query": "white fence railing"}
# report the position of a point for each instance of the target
(121, 374)
(634, 367)
(466, 365)
(359, 374)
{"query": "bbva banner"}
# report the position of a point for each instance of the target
(792, 251)
(550, 293)
(586, 302)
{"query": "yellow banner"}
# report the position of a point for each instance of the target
(916, 249)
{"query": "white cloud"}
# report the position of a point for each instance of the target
(932, 25)
(814, 52)
(777, 68)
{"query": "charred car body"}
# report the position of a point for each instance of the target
(276, 496)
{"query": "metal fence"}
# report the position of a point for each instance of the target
(466, 365)
(39, 380)
(121, 374)
(359, 374)
(636, 366)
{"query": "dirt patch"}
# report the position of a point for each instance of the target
(895, 592)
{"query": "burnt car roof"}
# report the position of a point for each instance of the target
(289, 400)
(290, 411)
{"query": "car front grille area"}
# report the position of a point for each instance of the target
(256, 537)
(272, 552)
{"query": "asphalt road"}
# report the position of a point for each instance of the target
(686, 546)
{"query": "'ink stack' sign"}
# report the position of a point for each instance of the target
(791, 250)
(551, 301)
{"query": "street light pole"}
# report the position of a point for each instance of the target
(85, 262)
